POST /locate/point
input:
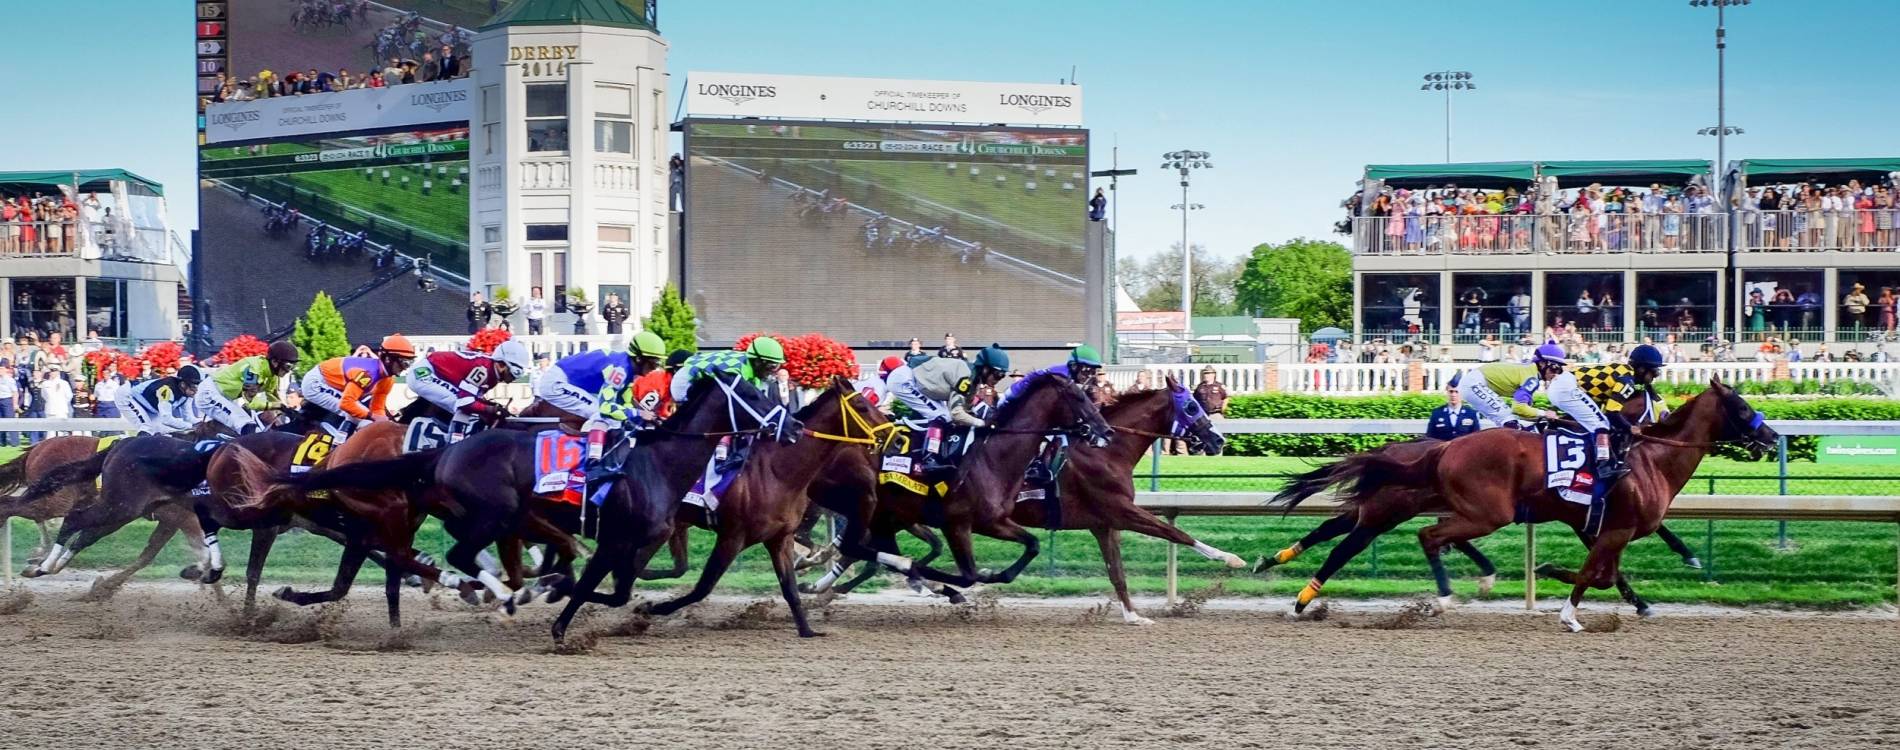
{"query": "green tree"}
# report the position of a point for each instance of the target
(320, 334)
(1306, 279)
(1155, 281)
(673, 319)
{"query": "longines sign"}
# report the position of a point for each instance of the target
(823, 98)
(359, 109)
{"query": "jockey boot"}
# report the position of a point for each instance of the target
(933, 464)
(1039, 473)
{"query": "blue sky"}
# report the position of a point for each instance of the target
(1292, 99)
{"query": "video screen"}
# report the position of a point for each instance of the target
(346, 214)
(357, 36)
(879, 234)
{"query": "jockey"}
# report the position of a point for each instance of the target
(1611, 386)
(243, 388)
(877, 390)
(163, 405)
(930, 395)
(990, 367)
(597, 385)
(344, 393)
(753, 366)
(1081, 368)
(1483, 386)
(456, 382)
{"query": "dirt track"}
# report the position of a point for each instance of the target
(158, 667)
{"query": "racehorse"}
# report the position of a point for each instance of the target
(983, 497)
(637, 511)
(1638, 412)
(137, 475)
(1483, 481)
(1096, 491)
(766, 503)
(57, 501)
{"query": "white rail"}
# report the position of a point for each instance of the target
(1373, 379)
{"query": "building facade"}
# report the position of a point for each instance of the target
(568, 148)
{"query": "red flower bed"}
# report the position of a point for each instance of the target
(487, 339)
(239, 348)
(163, 356)
(811, 359)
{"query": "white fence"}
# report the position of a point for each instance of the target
(553, 345)
(1372, 379)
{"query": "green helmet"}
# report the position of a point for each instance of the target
(647, 344)
(994, 358)
(1085, 355)
(768, 349)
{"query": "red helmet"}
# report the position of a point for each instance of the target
(889, 364)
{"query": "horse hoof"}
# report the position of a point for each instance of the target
(1445, 602)
(32, 572)
(211, 577)
(1644, 611)
(1692, 562)
(1547, 569)
(1573, 626)
(525, 596)
(283, 593)
(806, 588)
(1234, 561)
(810, 634)
(472, 596)
(643, 609)
(1486, 583)
(955, 596)
(1130, 618)
(191, 573)
(508, 606)
(1265, 563)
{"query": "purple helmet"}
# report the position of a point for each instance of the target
(1550, 353)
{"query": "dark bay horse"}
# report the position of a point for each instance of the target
(138, 475)
(638, 510)
(1638, 412)
(1482, 482)
(33, 464)
(982, 499)
(1097, 489)
(766, 503)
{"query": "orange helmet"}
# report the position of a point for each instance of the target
(397, 345)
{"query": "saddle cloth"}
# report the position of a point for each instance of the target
(719, 482)
(315, 447)
(423, 434)
(556, 457)
(1570, 469)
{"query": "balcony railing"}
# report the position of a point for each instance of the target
(1860, 230)
(1579, 233)
(39, 239)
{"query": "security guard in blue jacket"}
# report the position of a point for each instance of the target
(1454, 418)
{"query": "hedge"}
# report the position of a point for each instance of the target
(1420, 406)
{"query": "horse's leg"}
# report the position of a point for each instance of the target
(162, 533)
(1355, 542)
(1487, 571)
(346, 569)
(1140, 521)
(261, 541)
(783, 563)
(1600, 570)
(1449, 531)
(1676, 545)
(1008, 529)
(591, 575)
(1623, 587)
(392, 593)
(1110, 541)
(724, 551)
(676, 544)
(463, 556)
(46, 542)
(929, 537)
(1331, 528)
(957, 537)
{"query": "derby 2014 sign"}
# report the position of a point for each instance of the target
(886, 99)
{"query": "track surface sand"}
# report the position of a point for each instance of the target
(165, 666)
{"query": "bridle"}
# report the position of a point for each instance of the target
(1733, 423)
(874, 438)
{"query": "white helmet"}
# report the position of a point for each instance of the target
(515, 355)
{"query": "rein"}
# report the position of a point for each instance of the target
(875, 436)
(1754, 422)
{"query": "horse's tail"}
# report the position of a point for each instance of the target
(400, 473)
(255, 476)
(1366, 474)
(61, 477)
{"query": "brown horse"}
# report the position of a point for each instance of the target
(1482, 482)
(33, 464)
(981, 500)
(1637, 412)
(637, 512)
(1097, 489)
(137, 476)
(766, 503)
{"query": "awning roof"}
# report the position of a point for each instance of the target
(1476, 174)
(82, 176)
(1821, 170)
(1624, 172)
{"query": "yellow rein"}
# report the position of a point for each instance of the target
(875, 436)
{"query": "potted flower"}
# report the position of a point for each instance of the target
(580, 306)
(505, 305)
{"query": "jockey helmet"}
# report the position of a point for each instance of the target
(677, 359)
(397, 345)
(647, 344)
(1646, 356)
(767, 349)
(282, 352)
(514, 356)
(889, 365)
(190, 375)
(1551, 353)
(1085, 355)
(993, 357)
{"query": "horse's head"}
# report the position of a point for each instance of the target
(719, 405)
(1740, 422)
(841, 414)
(1056, 401)
(1191, 421)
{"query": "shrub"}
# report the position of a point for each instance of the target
(487, 339)
(238, 348)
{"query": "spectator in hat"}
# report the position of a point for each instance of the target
(1212, 394)
(1455, 418)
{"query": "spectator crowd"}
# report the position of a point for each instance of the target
(434, 66)
(1445, 219)
(1816, 216)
